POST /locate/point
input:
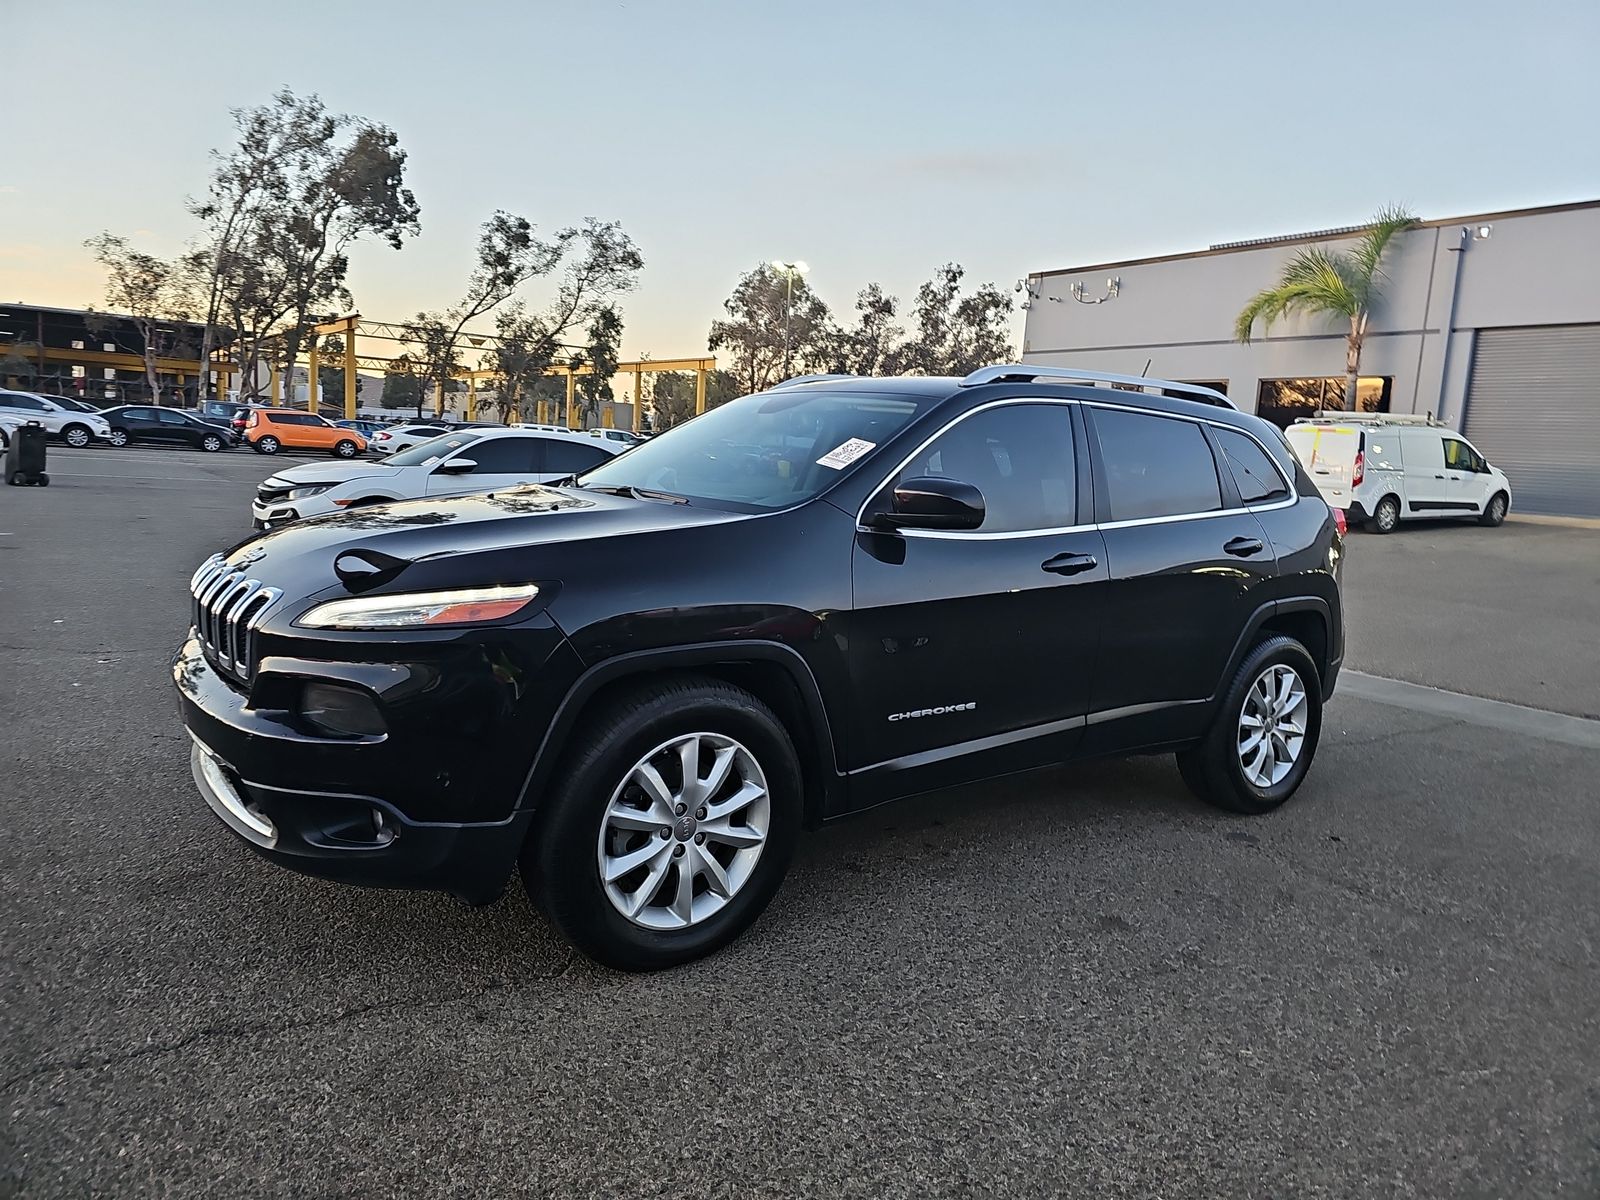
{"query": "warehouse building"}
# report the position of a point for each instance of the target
(1490, 323)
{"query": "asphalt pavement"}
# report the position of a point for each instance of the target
(1080, 983)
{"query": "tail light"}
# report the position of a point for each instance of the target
(252, 420)
(1360, 471)
(1339, 522)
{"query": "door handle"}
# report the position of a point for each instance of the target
(1244, 547)
(1070, 564)
(1438, 476)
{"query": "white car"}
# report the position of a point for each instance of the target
(403, 437)
(8, 422)
(624, 437)
(72, 427)
(470, 460)
(1384, 469)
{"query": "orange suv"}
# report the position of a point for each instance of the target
(269, 430)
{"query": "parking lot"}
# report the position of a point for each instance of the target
(1080, 982)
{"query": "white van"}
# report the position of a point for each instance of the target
(1383, 469)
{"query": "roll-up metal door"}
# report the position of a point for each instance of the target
(1533, 409)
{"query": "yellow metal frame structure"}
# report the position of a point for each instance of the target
(349, 327)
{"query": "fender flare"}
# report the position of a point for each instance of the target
(706, 654)
(1265, 613)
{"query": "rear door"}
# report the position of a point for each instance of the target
(1328, 453)
(1187, 561)
(1428, 488)
(175, 428)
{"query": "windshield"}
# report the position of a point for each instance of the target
(771, 450)
(430, 451)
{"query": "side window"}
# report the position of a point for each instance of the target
(566, 458)
(1254, 475)
(503, 456)
(1156, 466)
(1459, 456)
(168, 417)
(1019, 456)
(25, 403)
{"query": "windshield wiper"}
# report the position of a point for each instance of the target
(634, 493)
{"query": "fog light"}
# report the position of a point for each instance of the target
(341, 711)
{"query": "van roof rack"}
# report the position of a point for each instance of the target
(1338, 416)
(1023, 373)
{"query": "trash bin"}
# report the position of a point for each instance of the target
(25, 457)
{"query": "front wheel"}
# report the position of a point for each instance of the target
(76, 436)
(1264, 733)
(345, 449)
(211, 443)
(1495, 513)
(119, 438)
(670, 826)
(267, 445)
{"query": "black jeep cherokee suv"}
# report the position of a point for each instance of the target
(639, 686)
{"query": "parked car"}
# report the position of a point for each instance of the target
(8, 423)
(626, 437)
(72, 403)
(1383, 469)
(641, 686)
(226, 414)
(473, 460)
(269, 430)
(64, 424)
(404, 437)
(169, 426)
(365, 427)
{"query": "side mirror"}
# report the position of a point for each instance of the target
(456, 466)
(932, 503)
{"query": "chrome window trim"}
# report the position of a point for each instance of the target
(1065, 402)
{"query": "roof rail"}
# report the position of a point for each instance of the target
(799, 379)
(1023, 372)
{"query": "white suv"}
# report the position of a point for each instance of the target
(469, 460)
(1383, 469)
(72, 427)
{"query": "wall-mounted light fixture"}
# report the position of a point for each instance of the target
(1482, 232)
(1113, 286)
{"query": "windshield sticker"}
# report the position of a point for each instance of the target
(843, 455)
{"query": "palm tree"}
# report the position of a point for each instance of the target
(1333, 283)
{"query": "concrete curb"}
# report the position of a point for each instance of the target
(1559, 522)
(1475, 710)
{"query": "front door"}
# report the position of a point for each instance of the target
(972, 653)
(496, 463)
(1467, 474)
(1187, 557)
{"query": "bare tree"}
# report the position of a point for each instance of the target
(151, 291)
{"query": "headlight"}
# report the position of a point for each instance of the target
(316, 489)
(458, 606)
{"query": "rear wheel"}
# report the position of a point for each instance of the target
(1264, 734)
(267, 445)
(119, 437)
(670, 827)
(345, 449)
(77, 436)
(1387, 515)
(1495, 512)
(211, 443)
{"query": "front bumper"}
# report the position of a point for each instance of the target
(432, 804)
(358, 839)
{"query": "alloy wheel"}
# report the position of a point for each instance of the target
(1497, 509)
(119, 437)
(1272, 726)
(683, 831)
(77, 438)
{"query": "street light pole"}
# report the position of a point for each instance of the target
(790, 270)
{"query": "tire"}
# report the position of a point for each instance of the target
(1494, 513)
(1215, 769)
(211, 443)
(118, 438)
(267, 445)
(345, 449)
(561, 862)
(77, 436)
(43, 480)
(1386, 517)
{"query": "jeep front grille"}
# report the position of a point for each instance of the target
(227, 608)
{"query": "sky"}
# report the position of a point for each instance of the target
(873, 140)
